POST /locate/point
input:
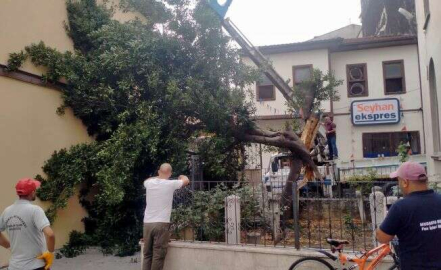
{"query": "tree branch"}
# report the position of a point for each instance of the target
(288, 140)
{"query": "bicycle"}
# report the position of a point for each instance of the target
(345, 262)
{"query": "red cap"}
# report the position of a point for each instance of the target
(26, 186)
(412, 171)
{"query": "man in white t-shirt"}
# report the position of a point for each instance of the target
(32, 240)
(159, 199)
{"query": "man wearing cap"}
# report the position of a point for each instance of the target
(415, 220)
(32, 240)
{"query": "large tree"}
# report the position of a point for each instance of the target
(145, 90)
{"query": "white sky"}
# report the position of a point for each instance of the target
(266, 22)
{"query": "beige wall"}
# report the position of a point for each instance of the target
(374, 59)
(349, 137)
(429, 48)
(25, 22)
(30, 128)
(283, 63)
(44, 21)
(30, 132)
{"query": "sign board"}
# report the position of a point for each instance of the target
(375, 112)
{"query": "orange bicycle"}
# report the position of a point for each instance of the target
(344, 262)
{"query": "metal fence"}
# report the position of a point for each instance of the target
(361, 173)
(267, 215)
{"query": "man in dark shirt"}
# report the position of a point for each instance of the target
(331, 136)
(415, 220)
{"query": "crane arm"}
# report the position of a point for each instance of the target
(252, 52)
(258, 58)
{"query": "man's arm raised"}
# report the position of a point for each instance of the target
(185, 180)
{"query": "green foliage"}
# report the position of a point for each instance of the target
(322, 86)
(370, 175)
(85, 17)
(16, 60)
(350, 225)
(205, 214)
(78, 242)
(364, 182)
(143, 95)
(436, 186)
(403, 152)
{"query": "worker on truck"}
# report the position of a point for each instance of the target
(331, 136)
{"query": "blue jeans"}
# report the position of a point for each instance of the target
(332, 145)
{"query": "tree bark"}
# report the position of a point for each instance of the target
(283, 139)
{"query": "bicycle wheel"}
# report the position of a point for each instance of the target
(311, 263)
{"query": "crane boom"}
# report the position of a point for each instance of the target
(312, 122)
(251, 51)
(258, 58)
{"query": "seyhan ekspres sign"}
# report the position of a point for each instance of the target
(375, 112)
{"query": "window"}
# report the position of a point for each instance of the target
(301, 74)
(357, 80)
(375, 144)
(265, 89)
(434, 108)
(394, 80)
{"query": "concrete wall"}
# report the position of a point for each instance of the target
(349, 137)
(429, 40)
(195, 256)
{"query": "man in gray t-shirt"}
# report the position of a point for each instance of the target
(31, 238)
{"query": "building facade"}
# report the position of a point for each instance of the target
(428, 13)
(31, 130)
(380, 99)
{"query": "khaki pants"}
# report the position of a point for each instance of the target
(156, 237)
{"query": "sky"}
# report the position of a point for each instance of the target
(266, 22)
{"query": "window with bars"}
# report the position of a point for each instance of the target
(377, 144)
(265, 90)
(394, 79)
